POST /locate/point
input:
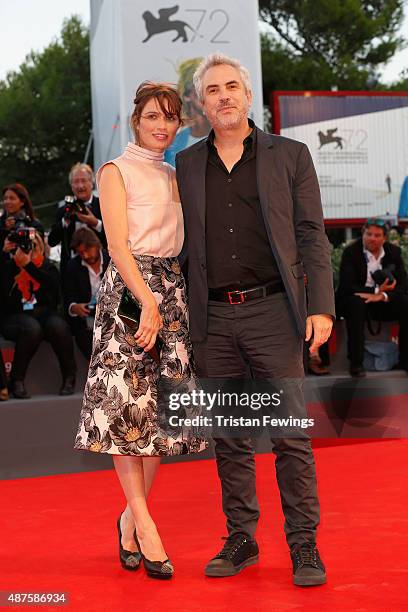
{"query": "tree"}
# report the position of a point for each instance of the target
(402, 84)
(45, 115)
(319, 43)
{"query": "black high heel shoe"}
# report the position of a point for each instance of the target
(163, 570)
(129, 560)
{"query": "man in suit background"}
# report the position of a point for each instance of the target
(81, 179)
(254, 228)
(82, 278)
(360, 296)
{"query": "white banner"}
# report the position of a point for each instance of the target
(137, 40)
(361, 162)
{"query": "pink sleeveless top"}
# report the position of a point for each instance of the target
(154, 213)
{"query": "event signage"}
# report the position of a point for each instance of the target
(133, 41)
(359, 145)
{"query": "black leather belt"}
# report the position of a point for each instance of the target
(243, 295)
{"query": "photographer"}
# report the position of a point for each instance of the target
(81, 210)
(18, 213)
(82, 278)
(29, 285)
(373, 286)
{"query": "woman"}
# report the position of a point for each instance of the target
(30, 291)
(18, 211)
(143, 221)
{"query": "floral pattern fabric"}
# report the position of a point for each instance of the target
(125, 395)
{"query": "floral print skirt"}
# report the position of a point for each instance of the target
(124, 400)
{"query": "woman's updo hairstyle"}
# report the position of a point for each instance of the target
(167, 98)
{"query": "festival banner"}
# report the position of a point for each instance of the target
(359, 145)
(133, 41)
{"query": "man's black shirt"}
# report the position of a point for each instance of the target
(239, 254)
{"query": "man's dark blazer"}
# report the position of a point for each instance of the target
(76, 287)
(353, 271)
(59, 234)
(290, 200)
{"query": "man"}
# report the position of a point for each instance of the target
(254, 227)
(82, 278)
(361, 296)
(81, 179)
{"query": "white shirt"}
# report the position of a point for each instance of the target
(373, 264)
(95, 278)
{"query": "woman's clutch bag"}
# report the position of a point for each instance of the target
(129, 312)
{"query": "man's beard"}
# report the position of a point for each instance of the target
(229, 122)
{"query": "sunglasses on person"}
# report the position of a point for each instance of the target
(378, 222)
(382, 223)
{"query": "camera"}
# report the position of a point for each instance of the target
(91, 307)
(22, 234)
(73, 206)
(91, 317)
(386, 274)
(23, 237)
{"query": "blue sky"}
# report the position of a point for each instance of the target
(32, 24)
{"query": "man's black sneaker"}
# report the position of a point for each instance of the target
(239, 551)
(308, 568)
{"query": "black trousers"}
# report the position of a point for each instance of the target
(28, 330)
(356, 312)
(261, 335)
(84, 338)
(3, 375)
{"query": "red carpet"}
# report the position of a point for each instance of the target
(58, 534)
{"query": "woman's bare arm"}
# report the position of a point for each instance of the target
(112, 195)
